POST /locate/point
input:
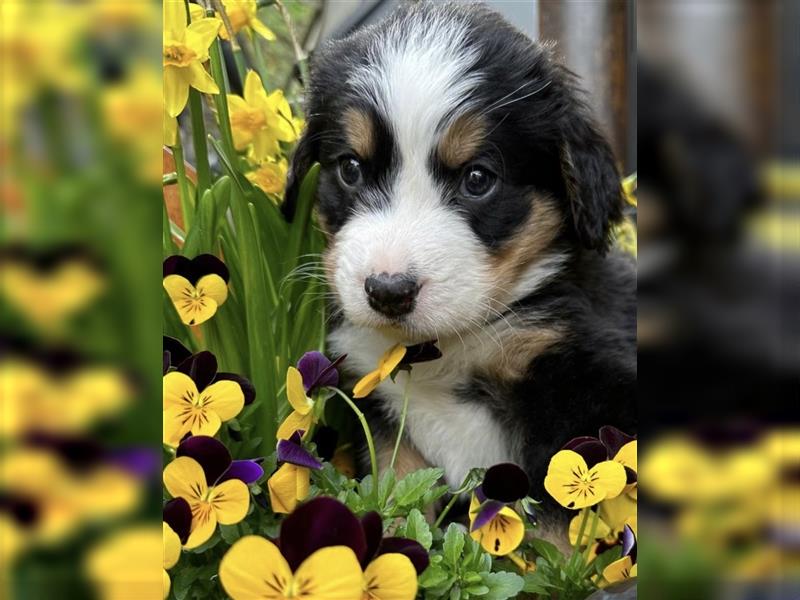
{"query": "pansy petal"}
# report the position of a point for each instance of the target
(484, 513)
(591, 449)
(411, 549)
(254, 568)
(390, 359)
(602, 529)
(224, 398)
(283, 488)
(367, 384)
(230, 500)
(611, 477)
(294, 422)
(419, 353)
(311, 365)
(178, 515)
(178, 390)
(291, 452)
(204, 524)
(619, 570)
(501, 535)
(214, 287)
(295, 391)
(175, 426)
(629, 543)
(176, 264)
(573, 485)
(628, 455)
(614, 439)
(201, 367)
(505, 482)
(330, 573)
(248, 471)
(318, 523)
(191, 308)
(172, 547)
(206, 264)
(248, 389)
(391, 577)
(177, 351)
(184, 478)
(372, 524)
(209, 453)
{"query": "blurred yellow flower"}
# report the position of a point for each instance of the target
(185, 51)
(270, 176)
(244, 13)
(260, 119)
(126, 564)
(387, 363)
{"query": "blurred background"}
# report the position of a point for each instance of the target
(700, 96)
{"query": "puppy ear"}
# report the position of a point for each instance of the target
(305, 154)
(592, 181)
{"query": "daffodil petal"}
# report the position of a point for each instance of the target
(391, 577)
(214, 287)
(254, 568)
(253, 89)
(230, 500)
(176, 89)
(174, 16)
(367, 384)
(201, 80)
(196, 12)
(224, 397)
(391, 359)
(200, 34)
(294, 422)
(172, 547)
(296, 393)
(262, 30)
(331, 573)
(501, 535)
(236, 103)
(184, 478)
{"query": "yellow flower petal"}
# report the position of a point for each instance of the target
(254, 568)
(391, 577)
(254, 93)
(574, 485)
(174, 16)
(196, 12)
(236, 103)
(602, 531)
(230, 500)
(176, 89)
(390, 359)
(331, 573)
(262, 30)
(204, 523)
(170, 130)
(611, 476)
(296, 393)
(192, 307)
(620, 570)
(294, 422)
(224, 397)
(201, 80)
(627, 455)
(367, 384)
(166, 585)
(201, 33)
(287, 487)
(617, 512)
(179, 390)
(502, 535)
(172, 547)
(184, 478)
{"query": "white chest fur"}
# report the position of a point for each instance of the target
(449, 433)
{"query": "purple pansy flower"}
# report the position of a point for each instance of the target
(216, 462)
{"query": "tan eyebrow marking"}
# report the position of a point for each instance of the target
(360, 132)
(462, 140)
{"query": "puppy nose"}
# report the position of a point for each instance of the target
(391, 295)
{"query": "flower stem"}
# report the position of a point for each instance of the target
(221, 99)
(187, 204)
(592, 533)
(402, 422)
(367, 433)
(199, 141)
(446, 510)
(581, 531)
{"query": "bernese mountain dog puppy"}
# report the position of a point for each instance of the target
(467, 197)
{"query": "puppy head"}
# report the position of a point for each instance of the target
(459, 168)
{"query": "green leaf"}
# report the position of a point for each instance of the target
(502, 585)
(548, 551)
(453, 544)
(229, 533)
(417, 528)
(182, 580)
(605, 559)
(433, 576)
(413, 486)
(386, 486)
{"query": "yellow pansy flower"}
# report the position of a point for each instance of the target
(574, 485)
(226, 502)
(255, 568)
(185, 51)
(172, 552)
(197, 287)
(260, 119)
(387, 363)
(199, 412)
(287, 487)
(502, 534)
(244, 13)
(302, 416)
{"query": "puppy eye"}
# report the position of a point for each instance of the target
(477, 181)
(350, 171)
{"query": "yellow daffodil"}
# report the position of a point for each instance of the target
(574, 485)
(185, 51)
(255, 568)
(172, 552)
(226, 503)
(244, 13)
(502, 534)
(260, 119)
(199, 412)
(287, 487)
(270, 176)
(387, 363)
(302, 416)
(125, 565)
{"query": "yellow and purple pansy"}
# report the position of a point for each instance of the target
(197, 286)
(214, 485)
(625, 567)
(197, 398)
(581, 474)
(289, 484)
(324, 553)
(394, 359)
(314, 371)
(493, 523)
